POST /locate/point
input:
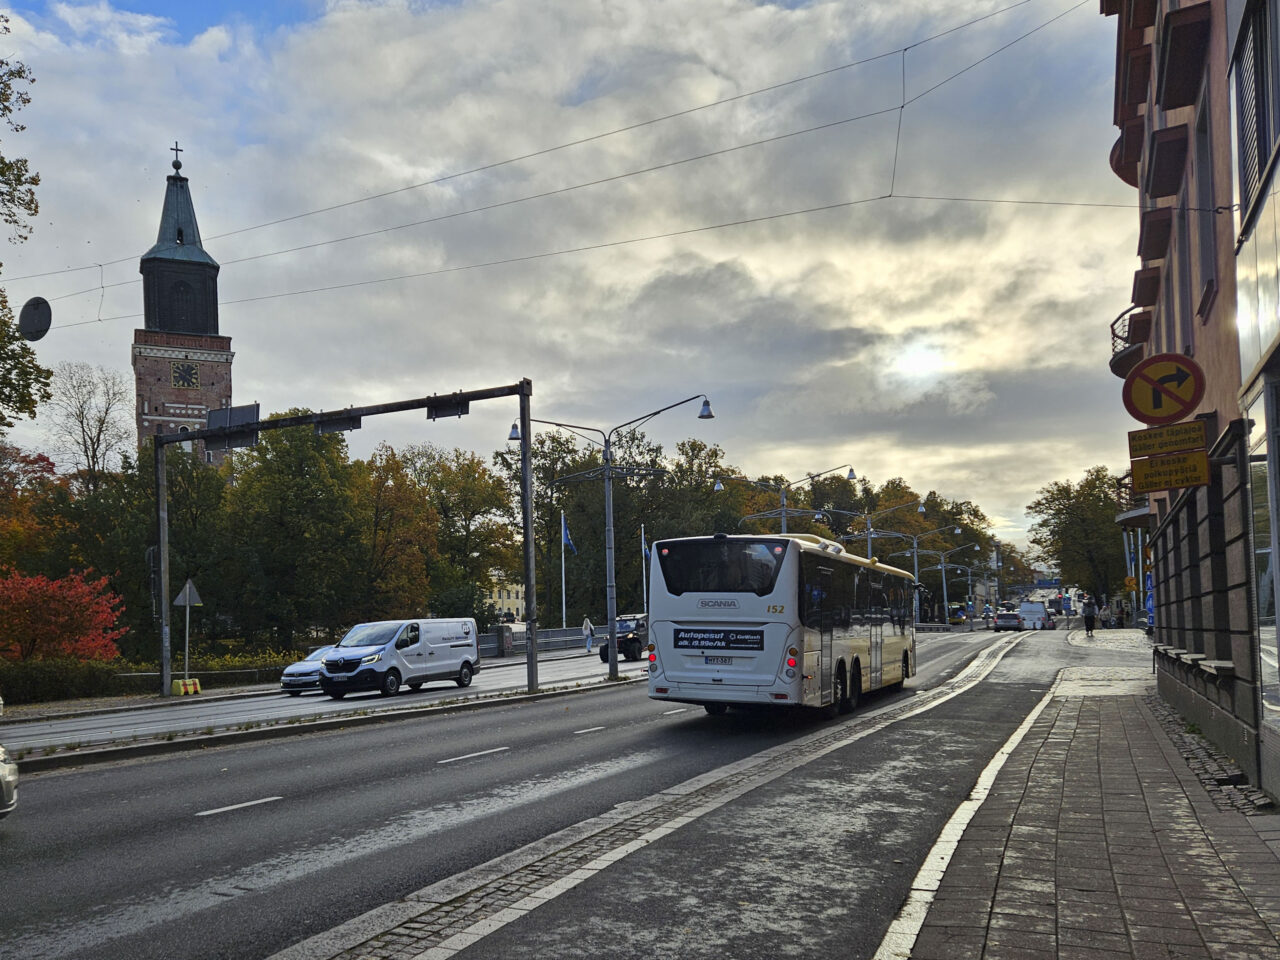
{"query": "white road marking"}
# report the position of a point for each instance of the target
(237, 806)
(667, 713)
(470, 755)
(589, 730)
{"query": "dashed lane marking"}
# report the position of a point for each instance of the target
(468, 756)
(237, 806)
(589, 730)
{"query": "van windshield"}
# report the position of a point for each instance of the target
(370, 634)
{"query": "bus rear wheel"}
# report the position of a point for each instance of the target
(855, 688)
(716, 709)
(841, 692)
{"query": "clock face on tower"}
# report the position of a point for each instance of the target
(185, 374)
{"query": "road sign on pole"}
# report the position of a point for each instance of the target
(1164, 389)
(188, 598)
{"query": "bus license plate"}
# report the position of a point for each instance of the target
(719, 661)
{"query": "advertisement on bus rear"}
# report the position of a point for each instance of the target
(718, 639)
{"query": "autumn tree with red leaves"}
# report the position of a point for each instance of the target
(43, 619)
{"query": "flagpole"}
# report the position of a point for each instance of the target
(563, 619)
(644, 574)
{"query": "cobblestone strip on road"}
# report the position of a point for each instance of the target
(437, 922)
(1097, 841)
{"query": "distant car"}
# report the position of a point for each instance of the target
(1007, 621)
(303, 675)
(633, 634)
(957, 617)
(8, 779)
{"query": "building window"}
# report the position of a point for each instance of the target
(1261, 417)
(1206, 231)
(1252, 138)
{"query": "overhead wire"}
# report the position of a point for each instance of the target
(562, 146)
(524, 258)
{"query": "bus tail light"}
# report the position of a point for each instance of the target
(780, 696)
(653, 658)
(791, 661)
(660, 689)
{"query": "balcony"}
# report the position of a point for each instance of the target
(1128, 151)
(1183, 49)
(1166, 161)
(1137, 74)
(1129, 333)
(1142, 13)
(1146, 287)
(1153, 234)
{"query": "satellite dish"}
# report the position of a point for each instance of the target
(34, 320)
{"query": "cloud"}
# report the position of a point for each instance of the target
(937, 339)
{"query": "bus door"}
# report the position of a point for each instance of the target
(826, 626)
(875, 624)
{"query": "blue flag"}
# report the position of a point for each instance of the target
(564, 535)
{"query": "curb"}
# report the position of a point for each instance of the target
(285, 728)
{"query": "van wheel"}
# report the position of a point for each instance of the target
(390, 684)
(464, 675)
(716, 709)
(337, 694)
(604, 654)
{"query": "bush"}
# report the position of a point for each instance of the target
(42, 681)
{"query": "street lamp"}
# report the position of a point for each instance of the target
(608, 471)
(781, 489)
(868, 517)
(915, 551)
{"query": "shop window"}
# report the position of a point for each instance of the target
(1263, 450)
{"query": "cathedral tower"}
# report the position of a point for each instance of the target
(181, 366)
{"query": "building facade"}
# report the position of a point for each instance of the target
(181, 365)
(1197, 103)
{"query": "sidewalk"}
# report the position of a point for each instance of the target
(1098, 841)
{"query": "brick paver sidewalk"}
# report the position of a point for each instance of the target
(1097, 842)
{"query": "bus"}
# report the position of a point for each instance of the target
(789, 620)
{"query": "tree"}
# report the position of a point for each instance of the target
(43, 619)
(25, 480)
(24, 383)
(1075, 531)
(90, 419)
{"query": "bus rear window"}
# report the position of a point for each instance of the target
(721, 566)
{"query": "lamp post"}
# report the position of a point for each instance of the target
(781, 490)
(608, 471)
(868, 517)
(942, 559)
(915, 552)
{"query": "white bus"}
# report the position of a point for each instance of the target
(789, 620)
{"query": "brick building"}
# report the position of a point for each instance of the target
(1197, 103)
(182, 366)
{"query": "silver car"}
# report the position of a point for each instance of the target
(8, 779)
(303, 675)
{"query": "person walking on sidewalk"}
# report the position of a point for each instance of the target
(1090, 613)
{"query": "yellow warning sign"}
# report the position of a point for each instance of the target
(1131, 584)
(1154, 441)
(1189, 469)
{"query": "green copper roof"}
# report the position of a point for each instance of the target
(179, 237)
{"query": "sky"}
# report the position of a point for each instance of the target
(875, 232)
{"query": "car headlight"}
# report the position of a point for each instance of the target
(372, 658)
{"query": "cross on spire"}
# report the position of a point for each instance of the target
(177, 164)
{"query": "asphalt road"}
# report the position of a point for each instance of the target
(242, 851)
(195, 715)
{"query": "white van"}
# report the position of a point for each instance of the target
(388, 653)
(1034, 615)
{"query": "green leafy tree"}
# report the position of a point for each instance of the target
(474, 536)
(24, 383)
(398, 530)
(295, 540)
(1075, 531)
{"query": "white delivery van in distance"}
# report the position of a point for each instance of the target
(388, 653)
(1034, 615)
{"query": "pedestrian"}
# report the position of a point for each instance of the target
(1090, 613)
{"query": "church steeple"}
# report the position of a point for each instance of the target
(179, 279)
